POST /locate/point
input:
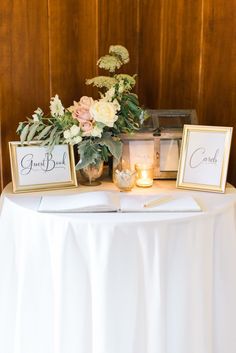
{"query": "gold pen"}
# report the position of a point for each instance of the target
(157, 202)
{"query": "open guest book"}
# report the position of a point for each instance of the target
(110, 201)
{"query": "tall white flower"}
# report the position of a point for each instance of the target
(56, 107)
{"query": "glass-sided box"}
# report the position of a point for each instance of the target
(158, 142)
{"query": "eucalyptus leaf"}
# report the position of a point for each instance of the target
(44, 132)
(89, 154)
(45, 142)
(20, 127)
(32, 131)
(52, 135)
(24, 133)
(114, 146)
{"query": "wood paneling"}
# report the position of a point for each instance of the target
(150, 69)
(180, 59)
(218, 90)
(73, 47)
(24, 66)
(183, 51)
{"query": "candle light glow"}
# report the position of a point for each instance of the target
(144, 175)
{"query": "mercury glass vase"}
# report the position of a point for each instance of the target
(91, 173)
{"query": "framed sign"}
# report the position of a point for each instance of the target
(204, 158)
(34, 167)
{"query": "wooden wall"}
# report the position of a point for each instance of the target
(183, 51)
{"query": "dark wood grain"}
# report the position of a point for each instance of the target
(181, 50)
(23, 67)
(73, 47)
(149, 52)
(218, 93)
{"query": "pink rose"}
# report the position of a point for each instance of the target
(86, 102)
(86, 127)
(81, 113)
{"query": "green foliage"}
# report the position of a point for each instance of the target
(92, 151)
(89, 152)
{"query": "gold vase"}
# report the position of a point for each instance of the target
(91, 173)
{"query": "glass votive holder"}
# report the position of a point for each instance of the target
(125, 179)
(144, 176)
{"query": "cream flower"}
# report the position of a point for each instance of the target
(67, 134)
(77, 139)
(56, 107)
(97, 131)
(104, 112)
(74, 130)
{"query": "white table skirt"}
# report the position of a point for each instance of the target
(118, 283)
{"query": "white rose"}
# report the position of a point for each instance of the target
(104, 112)
(74, 130)
(67, 134)
(96, 132)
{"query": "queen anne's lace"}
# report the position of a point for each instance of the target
(109, 63)
(102, 81)
(121, 52)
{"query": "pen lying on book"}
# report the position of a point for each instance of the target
(158, 202)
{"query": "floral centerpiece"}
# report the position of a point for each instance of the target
(93, 125)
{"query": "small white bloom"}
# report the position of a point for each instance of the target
(56, 107)
(74, 130)
(116, 105)
(38, 113)
(110, 94)
(121, 86)
(77, 139)
(97, 131)
(35, 117)
(67, 134)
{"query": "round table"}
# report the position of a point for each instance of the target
(118, 283)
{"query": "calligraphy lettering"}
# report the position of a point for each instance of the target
(199, 157)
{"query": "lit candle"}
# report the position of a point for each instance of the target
(144, 175)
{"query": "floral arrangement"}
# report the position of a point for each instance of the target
(93, 125)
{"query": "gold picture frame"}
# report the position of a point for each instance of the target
(204, 158)
(37, 168)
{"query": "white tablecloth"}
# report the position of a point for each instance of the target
(118, 283)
